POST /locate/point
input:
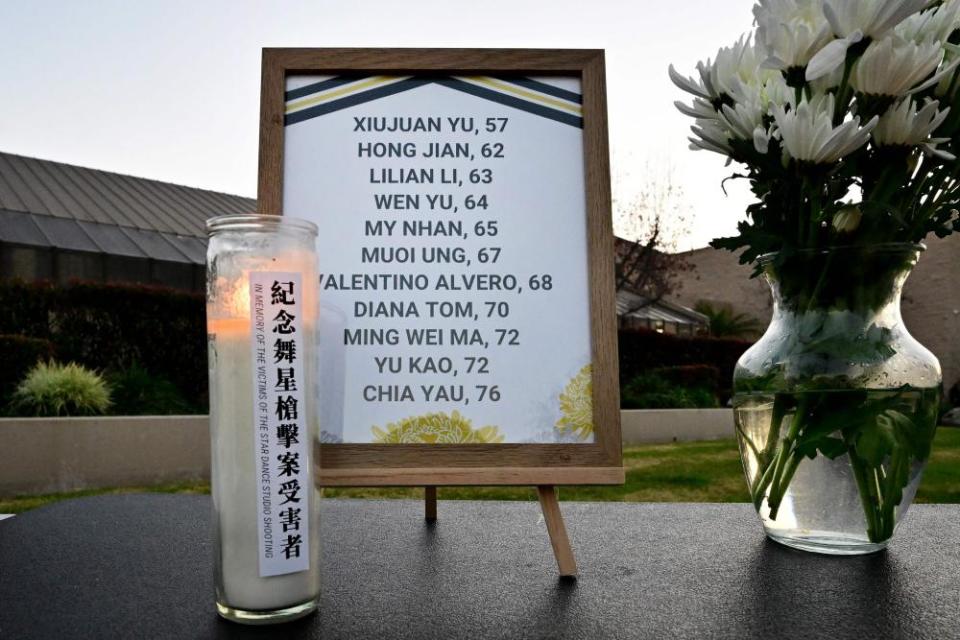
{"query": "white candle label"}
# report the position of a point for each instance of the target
(281, 434)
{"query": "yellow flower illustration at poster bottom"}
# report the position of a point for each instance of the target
(436, 428)
(576, 405)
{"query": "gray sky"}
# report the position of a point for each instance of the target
(170, 90)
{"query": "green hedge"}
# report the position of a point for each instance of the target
(653, 391)
(702, 376)
(642, 351)
(20, 354)
(114, 327)
(136, 392)
(110, 327)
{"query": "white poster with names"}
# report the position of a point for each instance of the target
(281, 436)
(452, 246)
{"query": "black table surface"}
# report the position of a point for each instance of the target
(139, 566)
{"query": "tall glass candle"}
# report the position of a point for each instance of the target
(261, 323)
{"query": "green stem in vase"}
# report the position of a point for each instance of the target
(766, 457)
(773, 435)
(763, 481)
(893, 485)
(784, 482)
(881, 503)
(785, 459)
(870, 507)
(746, 439)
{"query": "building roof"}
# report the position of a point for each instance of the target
(56, 205)
(662, 310)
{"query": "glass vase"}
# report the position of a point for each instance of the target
(261, 319)
(837, 404)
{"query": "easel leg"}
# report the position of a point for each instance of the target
(430, 503)
(566, 563)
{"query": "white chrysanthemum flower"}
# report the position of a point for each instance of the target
(904, 125)
(733, 67)
(854, 20)
(872, 18)
(791, 31)
(786, 10)
(701, 109)
(775, 91)
(745, 118)
(808, 133)
(710, 136)
(742, 119)
(826, 82)
(947, 84)
(894, 66)
(691, 85)
(818, 102)
(738, 66)
(762, 137)
(934, 25)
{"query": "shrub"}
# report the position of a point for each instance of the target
(654, 391)
(52, 389)
(135, 392)
(644, 350)
(112, 326)
(20, 354)
(703, 376)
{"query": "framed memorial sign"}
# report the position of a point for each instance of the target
(468, 327)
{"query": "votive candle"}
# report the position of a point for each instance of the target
(261, 319)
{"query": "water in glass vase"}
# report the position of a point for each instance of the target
(828, 470)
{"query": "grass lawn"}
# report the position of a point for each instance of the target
(689, 472)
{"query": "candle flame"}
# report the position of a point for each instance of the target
(231, 313)
(236, 296)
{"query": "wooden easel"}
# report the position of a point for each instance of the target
(550, 505)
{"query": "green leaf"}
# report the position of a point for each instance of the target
(835, 413)
(876, 441)
(832, 448)
(807, 447)
(840, 335)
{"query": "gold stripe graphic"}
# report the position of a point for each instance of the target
(342, 91)
(378, 81)
(527, 95)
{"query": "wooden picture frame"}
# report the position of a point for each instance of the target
(368, 465)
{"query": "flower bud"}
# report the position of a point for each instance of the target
(847, 219)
